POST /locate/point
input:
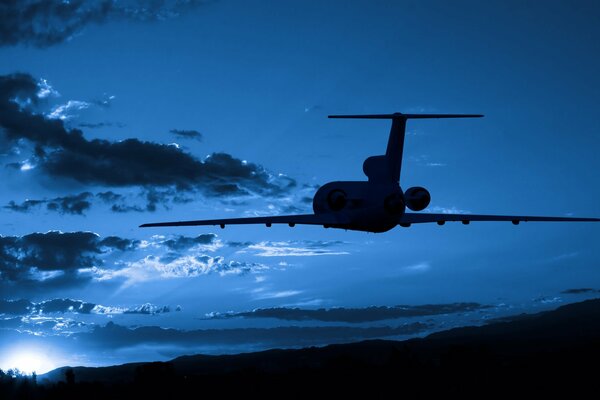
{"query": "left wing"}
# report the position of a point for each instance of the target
(412, 218)
(291, 220)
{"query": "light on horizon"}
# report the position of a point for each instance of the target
(27, 360)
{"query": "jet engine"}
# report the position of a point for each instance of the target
(336, 199)
(417, 198)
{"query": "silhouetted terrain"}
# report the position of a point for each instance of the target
(552, 353)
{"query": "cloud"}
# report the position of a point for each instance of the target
(57, 260)
(24, 307)
(54, 257)
(42, 325)
(424, 160)
(435, 164)
(62, 306)
(94, 125)
(353, 315)
(580, 291)
(277, 295)
(62, 153)
(179, 243)
(172, 266)
(15, 307)
(305, 248)
(187, 134)
(77, 204)
(71, 204)
(43, 23)
(66, 111)
(151, 198)
(445, 210)
(562, 257)
(149, 309)
(547, 300)
(415, 268)
(25, 206)
(119, 243)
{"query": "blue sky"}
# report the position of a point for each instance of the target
(252, 83)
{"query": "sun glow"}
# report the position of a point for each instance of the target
(27, 360)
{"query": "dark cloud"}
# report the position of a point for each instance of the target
(119, 243)
(187, 134)
(104, 102)
(580, 291)
(15, 307)
(109, 196)
(53, 256)
(63, 306)
(180, 243)
(65, 153)
(121, 204)
(44, 23)
(75, 204)
(152, 198)
(240, 244)
(117, 336)
(25, 206)
(354, 315)
(122, 208)
(72, 204)
(95, 125)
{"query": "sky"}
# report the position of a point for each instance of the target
(118, 113)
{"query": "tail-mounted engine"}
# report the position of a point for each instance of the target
(337, 199)
(417, 198)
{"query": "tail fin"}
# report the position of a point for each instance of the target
(395, 147)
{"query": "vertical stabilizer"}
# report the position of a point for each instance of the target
(387, 168)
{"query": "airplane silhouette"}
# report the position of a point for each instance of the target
(378, 204)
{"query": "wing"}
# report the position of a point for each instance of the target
(291, 220)
(412, 218)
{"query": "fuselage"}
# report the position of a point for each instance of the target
(369, 206)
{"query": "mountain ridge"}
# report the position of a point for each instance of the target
(564, 331)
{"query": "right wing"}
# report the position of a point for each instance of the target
(302, 219)
(412, 218)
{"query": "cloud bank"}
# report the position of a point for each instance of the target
(63, 153)
(54, 257)
(44, 23)
(24, 308)
(353, 315)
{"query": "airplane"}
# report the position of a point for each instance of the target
(378, 204)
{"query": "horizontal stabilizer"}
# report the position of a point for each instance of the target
(406, 116)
